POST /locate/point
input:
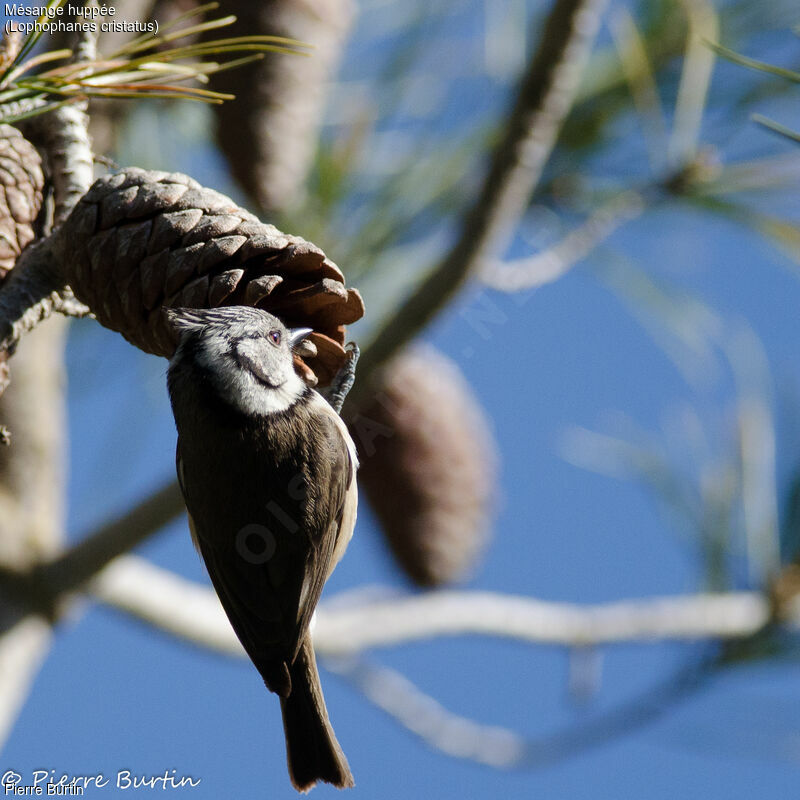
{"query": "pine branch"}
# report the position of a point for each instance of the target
(35, 287)
(544, 98)
(72, 569)
(556, 261)
(31, 477)
(347, 626)
(503, 748)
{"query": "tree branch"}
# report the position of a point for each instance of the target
(544, 99)
(192, 611)
(73, 568)
(31, 506)
(425, 616)
(31, 472)
(35, 288)
(70, 156)
(427, 718)
(43, 587)
(168, 602)
(556, 261)
(502, 748)
(22, 651)
(29, 294)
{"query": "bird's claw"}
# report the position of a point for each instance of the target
(343, 381)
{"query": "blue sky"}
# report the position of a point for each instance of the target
(115, 695)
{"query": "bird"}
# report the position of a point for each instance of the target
(267, 470)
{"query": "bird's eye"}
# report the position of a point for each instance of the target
(275, 337)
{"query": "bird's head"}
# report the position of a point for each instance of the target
(246, 352)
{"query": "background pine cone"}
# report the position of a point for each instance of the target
(428, 465)
(141, 240)
(21, 183)
(269, 132)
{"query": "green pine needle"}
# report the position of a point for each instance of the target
(776, 127)
(752, 63)
(139, 69)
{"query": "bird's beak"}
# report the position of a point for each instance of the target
(296, 335)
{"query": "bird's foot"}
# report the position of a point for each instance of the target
(336, 393)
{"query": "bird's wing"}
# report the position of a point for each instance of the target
(180, 473)
(256, 614)
(270, 600)
(248, 595)
(335, 502)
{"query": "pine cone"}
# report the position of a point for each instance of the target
(428, 466)
(269, 132)
(140, 240)
(21, 183)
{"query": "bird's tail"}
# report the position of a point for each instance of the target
(312, 751)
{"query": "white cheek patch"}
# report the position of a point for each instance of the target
(240, 387)
(250, 354)
(256, 398)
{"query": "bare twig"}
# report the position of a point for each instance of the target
(170, 603)
(625, 718)
(692, 617)
(193, 613)
(70, 156)
(501, 747)
(29, 295)
(31, 506)
(544, 98)
(424, 716)
(42, 587)
(553, 263)
(184, 608)
(66, 135)
(33, 290)
(22, 652)
(72, 569)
